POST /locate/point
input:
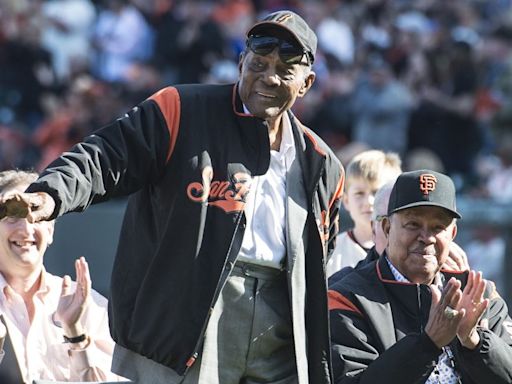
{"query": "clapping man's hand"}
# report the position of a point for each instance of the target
(72, 305)
(473, 305)
(456, 312)
(444, 320)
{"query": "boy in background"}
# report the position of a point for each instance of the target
(366, 173)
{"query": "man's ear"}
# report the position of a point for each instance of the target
(454, 231)
(386, 225)
(308, 82)
(241, 58)
(50, 227)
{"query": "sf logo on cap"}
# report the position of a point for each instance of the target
(284, 18)
(427, 183)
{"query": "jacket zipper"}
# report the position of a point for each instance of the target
(195, 354)
(418, 294)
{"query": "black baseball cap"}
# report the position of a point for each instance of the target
(420, 188)
(293, 24)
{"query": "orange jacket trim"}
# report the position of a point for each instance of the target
(168, 101)
(337, 301)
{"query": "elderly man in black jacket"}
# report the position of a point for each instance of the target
(220, 269)
(402, 318)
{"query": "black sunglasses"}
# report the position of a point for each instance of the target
(288, 53)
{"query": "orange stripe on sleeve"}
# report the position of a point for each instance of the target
(168, 101)
(337, 301)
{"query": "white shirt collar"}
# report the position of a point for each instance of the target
(399, 277)
(44, 287)
(287, 147)
(287, 142)
(396, 273)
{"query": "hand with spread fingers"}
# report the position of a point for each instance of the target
(34, 206)
(444, 320)
(473, 305)
(72, 305)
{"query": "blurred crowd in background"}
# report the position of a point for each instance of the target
(428, 79)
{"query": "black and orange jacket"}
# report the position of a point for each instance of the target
(377, 332)
(187, 155)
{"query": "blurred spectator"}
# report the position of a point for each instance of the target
(121, 38)
(15, 148)
(222, 71)
(375, 26)
(381, 107)
(422, 158)
(143, 80)
(234, 18)
(411, 34)
(497, 81)
(445, 115)
(499, 182)
(53, 133)
(153, 10)
(66, 35)
(332, 118)
(449, 62)
(72, 117)
(25, 66)
(335, 37)
(486, 253)
(188, 42)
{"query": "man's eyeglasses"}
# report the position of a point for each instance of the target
(379, 218)
(288, 53)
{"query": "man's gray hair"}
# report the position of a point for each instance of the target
(13, 178)
(381, 200)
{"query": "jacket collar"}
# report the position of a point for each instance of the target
(386, 276)
(410, 299)
(311, 156)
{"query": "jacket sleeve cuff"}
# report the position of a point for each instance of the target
(44, 187)
(428, 345)
(483, 347)
(81, 359)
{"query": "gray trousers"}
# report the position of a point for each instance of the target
(248, 340)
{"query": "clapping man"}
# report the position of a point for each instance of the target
(402, 318)
(58, 328)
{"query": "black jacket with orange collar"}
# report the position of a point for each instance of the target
(187, 154)
(377, 332)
